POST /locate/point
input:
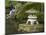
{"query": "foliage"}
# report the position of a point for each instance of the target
(27, 6)
(40, 17)
(21, 16)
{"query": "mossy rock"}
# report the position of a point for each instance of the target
(30, 28)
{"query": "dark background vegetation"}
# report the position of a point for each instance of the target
(20, 16)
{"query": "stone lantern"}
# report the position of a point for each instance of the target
(32, 18)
